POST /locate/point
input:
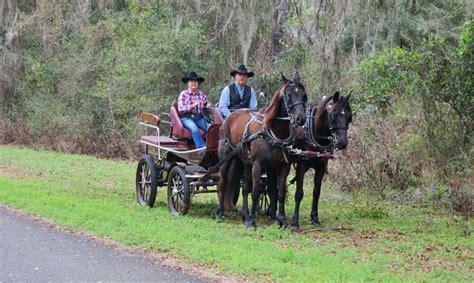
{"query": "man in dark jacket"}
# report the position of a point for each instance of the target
(238, 94)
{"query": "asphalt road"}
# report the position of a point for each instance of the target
(31, 251)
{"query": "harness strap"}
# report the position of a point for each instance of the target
(282, 118)
(216, 167)
(312, 138)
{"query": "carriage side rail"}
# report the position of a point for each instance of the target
(153, 121)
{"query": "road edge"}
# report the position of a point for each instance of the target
(164, 259)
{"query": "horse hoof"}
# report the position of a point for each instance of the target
(250, 226)
(283, 222)
(295, 227)
(219, 216)
(316, 223)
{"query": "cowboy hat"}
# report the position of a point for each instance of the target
(241, 70)
(192, 76)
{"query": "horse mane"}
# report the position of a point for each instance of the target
(272, 109)
(321, 107)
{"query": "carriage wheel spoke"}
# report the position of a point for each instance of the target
(145, 193)
(175, 201)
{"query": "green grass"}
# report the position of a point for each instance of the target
(379, 240)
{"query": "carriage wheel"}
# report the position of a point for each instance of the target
(146, 181)
(179, 194)
(263, 203)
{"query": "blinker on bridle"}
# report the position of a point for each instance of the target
(333, 127)
(290, 117)
(331, 120)
(289, 107)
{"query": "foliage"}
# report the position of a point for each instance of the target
(415, 120)
(77, 73)
(387, 77)
(94, 87)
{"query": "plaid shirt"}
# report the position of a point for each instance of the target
(187, 99)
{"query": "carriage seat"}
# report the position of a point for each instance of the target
(178, 131)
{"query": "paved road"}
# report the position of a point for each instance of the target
(30, 251)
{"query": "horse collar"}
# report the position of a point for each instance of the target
(312, 138)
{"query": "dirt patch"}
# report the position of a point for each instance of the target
(164, 259)
(10, 171)
(363, 239)
(429, 259)
(354, 238)
(426, 261)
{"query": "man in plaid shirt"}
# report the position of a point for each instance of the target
(190, 106)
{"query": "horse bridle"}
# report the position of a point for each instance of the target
(331, 121)
(290, 117)
(312, 138)
(333, 127)
(289, 107)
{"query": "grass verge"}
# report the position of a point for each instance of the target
(374, 241)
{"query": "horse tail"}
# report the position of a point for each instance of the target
(232, 189)
(228, 171)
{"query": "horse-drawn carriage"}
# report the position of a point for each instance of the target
(258, 147)
(173, 161)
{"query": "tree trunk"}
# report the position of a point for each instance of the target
(9, 61)
(280, 16)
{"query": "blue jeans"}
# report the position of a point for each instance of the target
(193, 125)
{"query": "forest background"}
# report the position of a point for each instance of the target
(75, 74)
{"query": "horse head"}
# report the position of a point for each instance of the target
(331, 122)
(339, 117)
(288, 102)
(295, 99)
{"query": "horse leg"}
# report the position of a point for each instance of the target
(247, 184)
(256, 175)
(281, 179)
(272, 192)
(300, 171)
(320, 170)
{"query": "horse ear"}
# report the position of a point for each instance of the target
(284, 79)
(349, 96)
(335, 97)
(296, 77)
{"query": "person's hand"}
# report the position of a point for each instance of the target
(196, 104)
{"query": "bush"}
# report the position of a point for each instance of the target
(414, 122)
(89, 91)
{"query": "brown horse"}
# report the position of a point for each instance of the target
(261, 138)
(326, 132)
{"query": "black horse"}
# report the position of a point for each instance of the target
(326, 132)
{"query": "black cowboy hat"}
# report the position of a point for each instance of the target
(192, 76)
(241, 70)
